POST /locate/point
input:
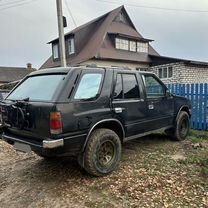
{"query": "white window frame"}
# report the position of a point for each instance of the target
(163, 69)
(71, 46)
(55, 50)
(133, 45)
(122, 44)
(142, 47)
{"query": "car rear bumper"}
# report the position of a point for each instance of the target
(46, 144)
(50, 144)
(64, 146)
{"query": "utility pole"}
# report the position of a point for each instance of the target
(61, 33)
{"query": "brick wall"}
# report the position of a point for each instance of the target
(184, 73)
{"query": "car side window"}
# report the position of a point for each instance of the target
(118, 92)
(89, 86)
(131, 90)
(126, 87)
(153, 87)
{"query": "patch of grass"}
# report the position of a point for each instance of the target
(204, 172)
(198, 136)
(199, 160)
(196, 139)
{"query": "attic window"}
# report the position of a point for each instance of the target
(131, 45)
(122, 44)
(55, 50)
(142, 47)
(71, 48)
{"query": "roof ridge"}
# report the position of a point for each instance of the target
(88, 23)
(107, 21)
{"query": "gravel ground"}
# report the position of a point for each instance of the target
(153, 172)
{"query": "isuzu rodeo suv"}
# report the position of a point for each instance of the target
(89, 113)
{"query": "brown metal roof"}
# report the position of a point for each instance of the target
(10, 74)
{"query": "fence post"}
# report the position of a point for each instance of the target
(187, 90)
(196, 105)
(172, 89)
(192, 106)
(200, 105)
(205, 107)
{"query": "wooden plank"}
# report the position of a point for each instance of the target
(180, 91)
(176, 89)
(205, 126)
(188, 90)
(200, 105)
(172, 89)
(183, 92)
(192, 105)
(196, 105)
(169, 87)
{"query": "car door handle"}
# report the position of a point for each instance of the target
(118, 110)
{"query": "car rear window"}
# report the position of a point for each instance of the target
(37, 88)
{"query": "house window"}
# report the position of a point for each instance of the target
(142, 47)
(165, 72)
(71, 47)
(55, 51)
(170, 71)
(122, 44)
(160, 73)
(132, 45)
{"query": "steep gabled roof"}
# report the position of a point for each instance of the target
(90, 38)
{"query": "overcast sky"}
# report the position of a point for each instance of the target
(26, 29)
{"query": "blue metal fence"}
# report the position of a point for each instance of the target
(198, 94)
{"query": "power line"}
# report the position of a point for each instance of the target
(17, 5)
(158, 8)
(11, 2)
(70, 13)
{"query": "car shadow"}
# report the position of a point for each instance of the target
(68, 166)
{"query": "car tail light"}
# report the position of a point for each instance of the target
(55, 123)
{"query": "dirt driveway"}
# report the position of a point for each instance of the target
(154, 172)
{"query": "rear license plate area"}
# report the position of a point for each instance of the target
(22, 147)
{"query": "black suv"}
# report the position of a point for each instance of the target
(89, 113)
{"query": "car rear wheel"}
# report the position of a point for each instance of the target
(182, 126)
(102, 153)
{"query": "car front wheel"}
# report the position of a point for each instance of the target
(182, 126)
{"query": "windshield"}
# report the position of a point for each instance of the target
(37, 88)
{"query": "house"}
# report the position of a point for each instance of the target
(11, 74)
(173, 70)
(112, 40)
(109, 40)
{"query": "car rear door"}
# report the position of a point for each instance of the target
(128, 102)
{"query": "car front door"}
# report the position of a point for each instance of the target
(160, 105)
(128, 103)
